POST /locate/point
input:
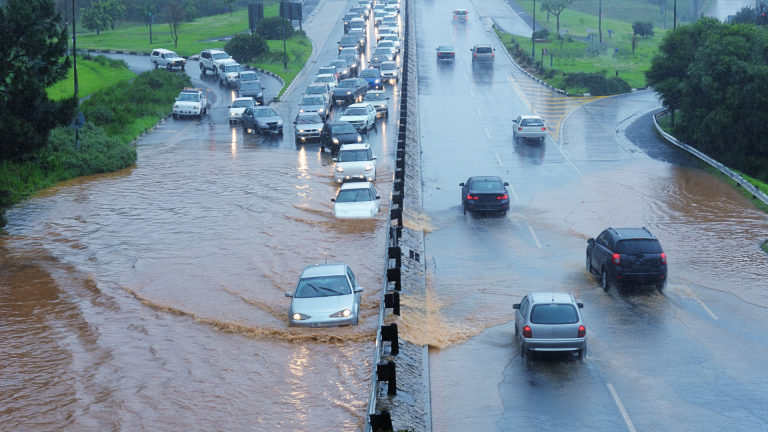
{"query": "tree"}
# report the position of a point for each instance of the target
(174, 15)
(33, 41)
(230, 5)
(745, 15)
(245, 48)
(272, 28)
(642, 29)
(95, 17)
(634, 40)
(555, 7)
(114, 11)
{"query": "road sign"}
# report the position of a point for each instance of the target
(602, 16)
(290, 11)
(79, 121)
(255, 14)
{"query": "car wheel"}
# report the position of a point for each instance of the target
(168, 66)
(202, 69)
(606, 282)
(582, 352)
(183, 68)
(589, 265)
(660, 287)
(155, 65)
(503, 213)
(245, 129)
(175, 116)
(465, 208)
(200, 116)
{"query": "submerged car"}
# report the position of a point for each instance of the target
(361, 115)
(485, 194)
(355, 162)
(262, 119)
(327, 295)
(358, 200)
(529, 126)
(307, 126)
(547, 322)
(238, 107)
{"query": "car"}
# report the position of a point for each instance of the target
(307, 125)
(377, 60)
(349, 42)
(350, 90)
(389, 71)
(247, 76)
(627, 255)
(166, 59)
(342, 69)
(379, 16)
(357, 23)
(392, 9)
(389, 21)
(327, 70)
(360, 35)
(389, 53)
(460, 15)
(373, 76)
(482, 53)
(348, 17)
(395, 39)
(322, 89)
(337, 133)
(355, 162)
(262, 119)
(388, 44)
(327, 295)
(361, 115)
(238, 107)
(529, 126)
(445, 52)
(350, 52)
(228, 72)
(329, 79)
(317, 104)
(378, 99)
(250, 88)
(549, 322)
(365, 5)
(385, 30)
(485, 193)
(358, 200)
(209, 59)
(361, 12)
(191, 102)
(378, 7)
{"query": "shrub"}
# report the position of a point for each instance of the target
(642, 29)
(596, 83)
(245, 48)
(272, 28)
(541, 34)
(101, 115)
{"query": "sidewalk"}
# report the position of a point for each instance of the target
(508, 16)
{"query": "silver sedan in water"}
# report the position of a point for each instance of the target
(308, 125)
(327, 295)
(548, 321)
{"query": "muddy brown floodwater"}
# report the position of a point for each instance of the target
(152, 298)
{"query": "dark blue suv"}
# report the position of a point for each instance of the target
(373, 76)
(627, 255)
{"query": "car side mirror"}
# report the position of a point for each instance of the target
(461, 184)
(514, 306)
(581, 305)
(506, 184)
(375, 157)
(358, 289)
(289, 294)
(591, 242)
(333, 199)
(229, 106)
(387, 98)
(334, 159)
(294, 122)
(378, 197)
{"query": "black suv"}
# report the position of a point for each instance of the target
(336, 133)
(350, 90)
(622, 255)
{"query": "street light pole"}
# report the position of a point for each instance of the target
(600, 21)
(149, 10)
(533, 35)
(674, 16)
(74, 66)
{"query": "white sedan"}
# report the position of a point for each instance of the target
(329, 79)
(529, 126)
(238, 106)
(357, 200)
(361, 115)
(355, 161)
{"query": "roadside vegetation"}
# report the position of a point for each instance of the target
(93, 74)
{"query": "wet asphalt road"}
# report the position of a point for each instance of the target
(690, 359)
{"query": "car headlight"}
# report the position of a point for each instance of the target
(343, 313)
(301, 110)
(260, 95)
(376, 82)
(320, 111)
(339, 169)
(349, 92)
(335, 140)
(369, 167)
(279, 122)
(175, 106)
(359, 138)
(300, 317)
(346, 71)
(301, 130)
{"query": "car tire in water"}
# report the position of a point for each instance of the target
(660, 287)
(582, 353)
(605, 281)
(465, 208)
(155, 65)
(202, 69)
(589, 265)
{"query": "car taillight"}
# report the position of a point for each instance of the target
(475, 55)
(493, 55)
(617, 259)
(663, 258)
(527, 332)
(502, 197)
(519, 128)
(543, 128)
(455, 17)
(471, 197)
(582, 331)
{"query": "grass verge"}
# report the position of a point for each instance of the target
(92, 76)
(298, 48)
(765, 246)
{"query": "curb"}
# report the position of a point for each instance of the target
(148, 131)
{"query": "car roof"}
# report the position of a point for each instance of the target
(249, 72)
(338, 123)
(375, 91)
(357, 19)
(388, 62)
(633, 233)
(330, 269)
(215, 50)
(484, 178)
(355, 185)
(163, 50)
(324, 75)
(243, 98)
(530, 117)
(359, 146)
(359, 105)
(550, 297)
(483, 45)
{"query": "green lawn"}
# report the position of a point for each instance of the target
(298, 48)
(91, 77)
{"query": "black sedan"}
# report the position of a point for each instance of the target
(485, 194)
(376, 61)
(446, 52)
(337, 133)
(350, 90)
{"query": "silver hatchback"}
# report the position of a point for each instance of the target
(549, 321)
(327, 295)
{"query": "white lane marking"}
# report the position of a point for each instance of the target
(534, 236)
(497, 158)
(513, 192)
(466, 77)
(489, 135)
(702, 303)
(478, 111)
(471, 92)
(621, 408)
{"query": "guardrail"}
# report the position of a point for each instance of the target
(390, 291)
(756, 193)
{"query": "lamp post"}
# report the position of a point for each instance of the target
(150, 21)
(74, 65)
(285, 52)
(533, 35)
(674, 17)
(600, 21)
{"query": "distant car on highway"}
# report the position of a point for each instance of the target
(392, 38)
(393, 9)
(327, 295)
(377, 60)
(262, 119)
(350, 90)
(446, 52)
(250, 88)
(329, 79)
(360, 35)
(460, 15)
(389, 71)
(485, 194)
(373, 76)
(319, 89)
(210, 58)
(361, 115)
(316, 104)
(389, 21)
(378, 99)
(547, 322)
(342, 69)
(348, 17)
(529, 126)
(357, 23)
(358, 200)
(352, 62)
(192, 102)
(385, 31)
(388, 44)
(337, 133)
(627, 255)
(307, 126)
(238, 107)
(166, 59)
(482, 53)
(355, 162)
(349, 42)
(389, 53)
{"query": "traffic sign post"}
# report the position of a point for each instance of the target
(255, 14)
(77, 123)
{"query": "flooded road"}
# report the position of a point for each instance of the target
(153, 298)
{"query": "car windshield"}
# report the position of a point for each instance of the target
(312, 118)
(315, 90)
(343, 129)
(461, 12)
(249, 86)
(220, 56)
(323, 286)
(327, 70)
(483, 50)
(354, 112)
(324, 79)
(531, 122)
(383, 51)
(445, 48)
(375, 96)
(347, 84)
(369, 73)
(391, 38)
(249, 77)
(186, 97)
(353, 155)
(388, 66)
(487, 185)
(386, 44)
(390, 19)
(171, 55)
(312, 101)
(639, 246)
(355, 33)
(242, 103)
(354, 195)
(349, 40)
(357, 25)
(339, 64)
(349, 16)
(234, 68)
(266, 112)
(554, 314)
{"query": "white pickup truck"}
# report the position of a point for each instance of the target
(192, 102)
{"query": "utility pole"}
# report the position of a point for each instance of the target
(533, 35)
(285, 51)
(150, 21)
(674, 18)
(600, 21)
(66, 23)
(74, 66)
